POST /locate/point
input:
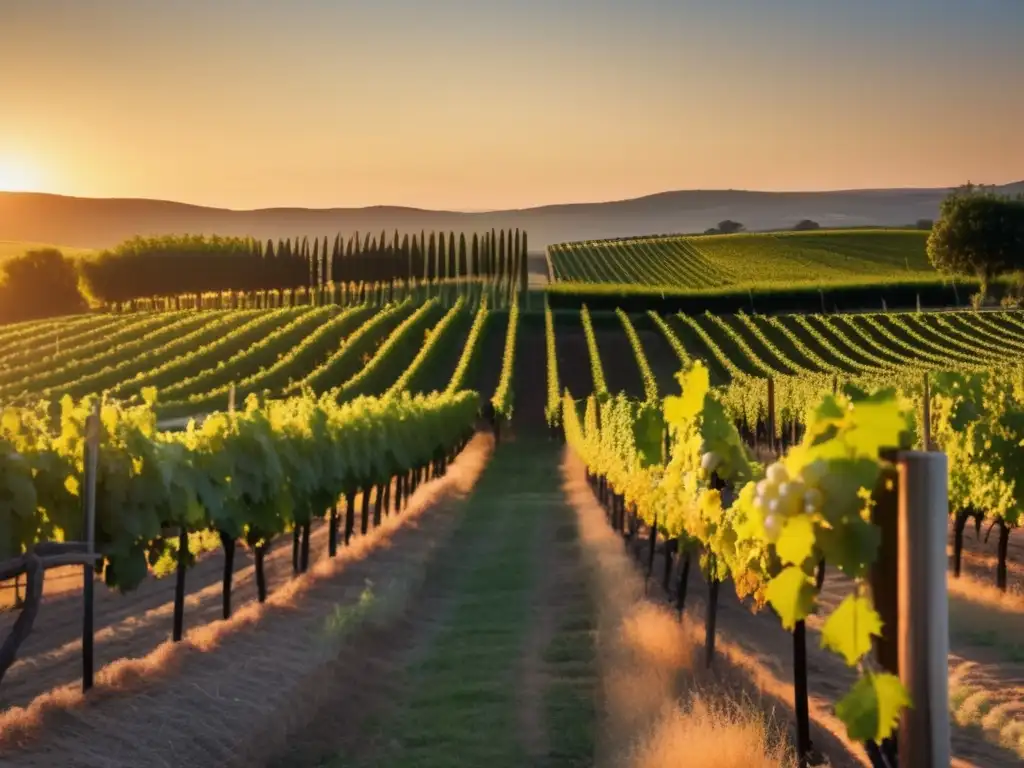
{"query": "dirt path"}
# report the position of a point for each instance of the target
(537, 276)
(232, 691)
(529, 377)
(493, 665)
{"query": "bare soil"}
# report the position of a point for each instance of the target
(573, 357)
(530, 382)
(131, 625)
(618, 360)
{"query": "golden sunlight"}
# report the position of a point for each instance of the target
(18, 175)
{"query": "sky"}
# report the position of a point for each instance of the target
(487, 104)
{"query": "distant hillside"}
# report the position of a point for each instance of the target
(100, 223)
(9, 248)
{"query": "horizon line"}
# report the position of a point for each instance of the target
(478, 211)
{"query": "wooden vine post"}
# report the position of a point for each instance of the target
(229, 571)
(711, 617)
(91, 465)
(652, 542)
(179, 585)
(684, 580)
(304, 554)
(332, 531)
(884, 579)
(350, 515)
(800, 693)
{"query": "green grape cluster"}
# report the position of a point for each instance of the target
(779, 497)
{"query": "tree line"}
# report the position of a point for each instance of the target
(45, 283)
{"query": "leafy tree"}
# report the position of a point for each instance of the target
(978, 233)
(42, 283)
(806, 224)
(925, 224)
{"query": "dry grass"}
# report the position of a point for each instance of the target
(235, 688)
(646, 664)
(980, 607)
(710, 733)
(993, 706)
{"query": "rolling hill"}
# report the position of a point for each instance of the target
(100, 223)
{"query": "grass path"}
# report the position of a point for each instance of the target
(499, 666)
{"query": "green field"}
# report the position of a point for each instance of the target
(745, 260)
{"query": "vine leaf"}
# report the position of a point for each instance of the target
(791, 594)
(648, 429)
(796, 543)
(848, 630)
(872, 708)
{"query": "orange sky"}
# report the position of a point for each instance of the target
(473, 104)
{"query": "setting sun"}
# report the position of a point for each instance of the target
(17, 175)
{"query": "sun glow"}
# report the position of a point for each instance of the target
(17, 175)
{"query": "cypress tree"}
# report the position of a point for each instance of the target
(492, 253)
(440, 256)
(453, 259)
(501, 254)
(414, 257)
(335, 254)
(474, 256)
(423, 252)
(314, 265)
(350, 258)
(406, 254)
(463, 269)
(325, 264)
(526, 256)
(431, 257)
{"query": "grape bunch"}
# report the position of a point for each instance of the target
(779, 496)
(716, 455)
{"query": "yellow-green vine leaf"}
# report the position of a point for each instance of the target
(848, 630)
(796, 542)
(791, 594)
(871, 709)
